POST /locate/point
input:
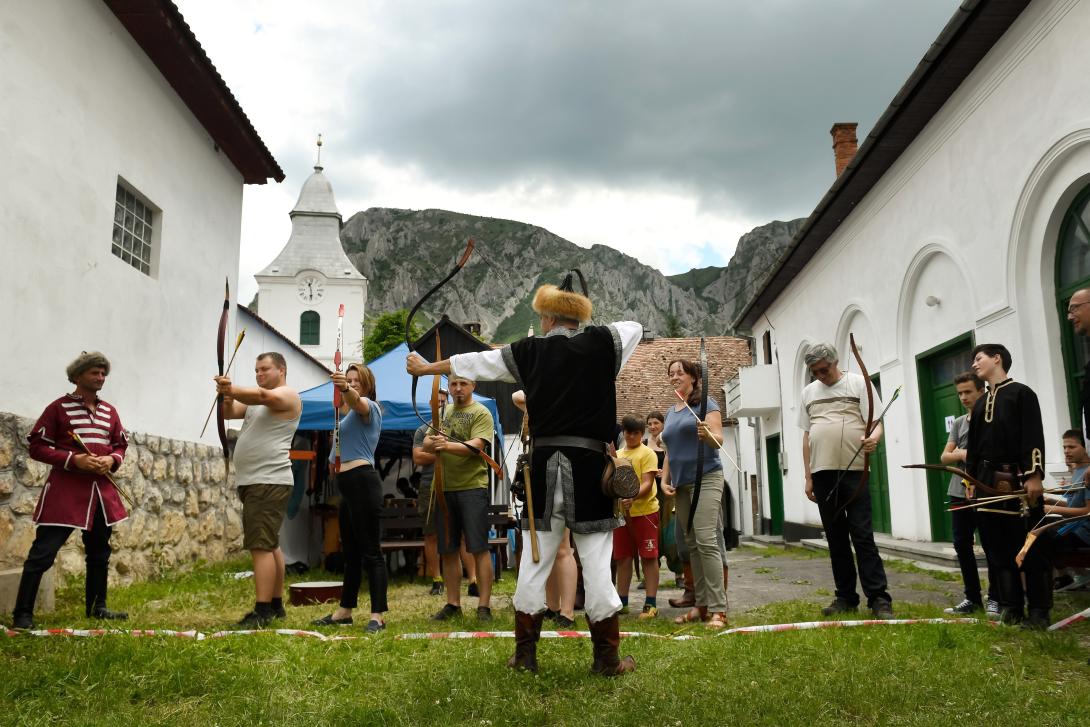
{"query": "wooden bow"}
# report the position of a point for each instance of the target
(868, 429)
(971, 483)
(437, 427)
(528, 492)
(1032, 535)
(703, 363)
(337, 394)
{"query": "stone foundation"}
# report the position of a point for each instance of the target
(184, 510)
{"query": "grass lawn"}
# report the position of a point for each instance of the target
(925, 675)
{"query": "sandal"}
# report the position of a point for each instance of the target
(691, 616)
(716, 621)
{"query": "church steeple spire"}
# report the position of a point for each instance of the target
(318, 162)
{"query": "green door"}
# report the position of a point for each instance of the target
(878, 481)
(775, 483)
(939, 406)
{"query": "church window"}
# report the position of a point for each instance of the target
(1073, 273)
(309, 328)
(133, 229)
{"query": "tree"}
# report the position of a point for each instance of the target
(673, 326)
(386, 332)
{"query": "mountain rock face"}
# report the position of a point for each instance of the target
(404, 252)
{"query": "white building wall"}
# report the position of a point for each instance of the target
(82, 106)
(969, 214)
(279, 304)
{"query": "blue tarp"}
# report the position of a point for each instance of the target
(394, 391)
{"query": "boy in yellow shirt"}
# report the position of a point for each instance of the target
(640, 533)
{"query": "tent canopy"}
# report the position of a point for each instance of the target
(394, 387)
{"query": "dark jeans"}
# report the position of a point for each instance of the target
(964, 524)
(361, 536)
(1002, 537)
(846, 529)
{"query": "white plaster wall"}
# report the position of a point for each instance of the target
(82, 105)
(969, 214)
(280, 305)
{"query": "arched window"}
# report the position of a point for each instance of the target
(1073, 273)
(310, 328)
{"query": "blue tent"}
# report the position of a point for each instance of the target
(394, 389)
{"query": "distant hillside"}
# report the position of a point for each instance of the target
(404, 252)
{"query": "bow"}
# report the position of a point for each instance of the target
(868, 429)
(535, 551)
(1032, 535)
(700, 444)
(437, 426)
(408, 341)
(971, 483)
(221, 426)
(337, 396)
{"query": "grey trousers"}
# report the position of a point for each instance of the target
(704, 546)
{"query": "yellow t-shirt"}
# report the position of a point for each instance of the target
(469, 422)
(643, 460)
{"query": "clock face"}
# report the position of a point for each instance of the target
(310, 289)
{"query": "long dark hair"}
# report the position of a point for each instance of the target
(693, 369)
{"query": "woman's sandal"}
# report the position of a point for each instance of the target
(691, 616)
(716, 621)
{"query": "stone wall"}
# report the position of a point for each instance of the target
(184, 511)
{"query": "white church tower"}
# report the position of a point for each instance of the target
(302, 289)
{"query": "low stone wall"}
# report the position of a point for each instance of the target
(184, 510)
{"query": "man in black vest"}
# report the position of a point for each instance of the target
(569, 376)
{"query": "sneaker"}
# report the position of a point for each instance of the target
(22, 622)
(648, 612)
(436, 588)
(484, 613)
(373, 626)
(882, 609)
(563, 623)
(838, 606)
(254, 620)
(447, 612)
(964, 608)
(330, 621)
(473, 591)
(101, 612)
(991, 610)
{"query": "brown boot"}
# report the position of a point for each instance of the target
(527, 632)
(606, 638)
(688, 598)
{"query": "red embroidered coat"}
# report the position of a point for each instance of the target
(70, 495)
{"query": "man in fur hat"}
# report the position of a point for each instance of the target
(78, 493)
(568, 375)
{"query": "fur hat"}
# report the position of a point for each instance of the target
(563, 301)
(86, 360)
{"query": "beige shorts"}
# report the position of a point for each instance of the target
(263, 510)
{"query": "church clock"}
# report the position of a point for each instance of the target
(311, 289)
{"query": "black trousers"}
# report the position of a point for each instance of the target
(1002, 536)
(846, 529)
(48, 541)
(361, 536)
(964, 523)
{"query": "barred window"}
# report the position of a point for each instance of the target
(309, 328)
(133, 227)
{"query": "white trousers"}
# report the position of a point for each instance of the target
(595, 551)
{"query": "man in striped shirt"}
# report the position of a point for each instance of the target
(78, 493)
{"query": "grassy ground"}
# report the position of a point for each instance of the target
(912, 675)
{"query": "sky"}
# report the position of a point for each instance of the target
(663, 129)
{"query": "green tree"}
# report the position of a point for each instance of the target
(385, 332)
(673, 326)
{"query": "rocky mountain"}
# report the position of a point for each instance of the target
(405, 252)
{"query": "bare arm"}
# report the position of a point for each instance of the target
(806, 467)
(667, 488)
(281, 400)
(952, 455)
(422, 458)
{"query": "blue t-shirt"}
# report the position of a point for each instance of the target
(1077, 499)
(679, 436)
(358, 437)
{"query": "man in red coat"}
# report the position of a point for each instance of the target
(78, 492)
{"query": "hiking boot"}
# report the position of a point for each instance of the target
(839, 606)
(436, 588)
(562, 622)
(22, 622)
(254, 620)
(373, 626)
(1038, 620)
(965, 608)
(473, 591)
(106, 614)
(447, 612)
(882, 609)
(605, 636)
(991, 609)
(648, 612)
(484, 613)
(527, 632)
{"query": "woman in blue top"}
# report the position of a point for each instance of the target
(361, 497)
(681, 437)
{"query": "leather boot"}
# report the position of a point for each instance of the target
(95, 594)
(527, 632)
(688, 598)
(23, 614)
(606, 639)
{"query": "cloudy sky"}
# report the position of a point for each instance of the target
(663, 129)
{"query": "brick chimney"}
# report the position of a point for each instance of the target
(844, 144)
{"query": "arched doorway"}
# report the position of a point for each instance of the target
(1073, 273)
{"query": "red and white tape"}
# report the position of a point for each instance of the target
(809, 625)
(1072, 619)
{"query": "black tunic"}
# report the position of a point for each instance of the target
(1006, 429)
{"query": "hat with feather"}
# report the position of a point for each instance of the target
(563, 301)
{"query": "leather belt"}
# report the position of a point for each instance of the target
(565, 441)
